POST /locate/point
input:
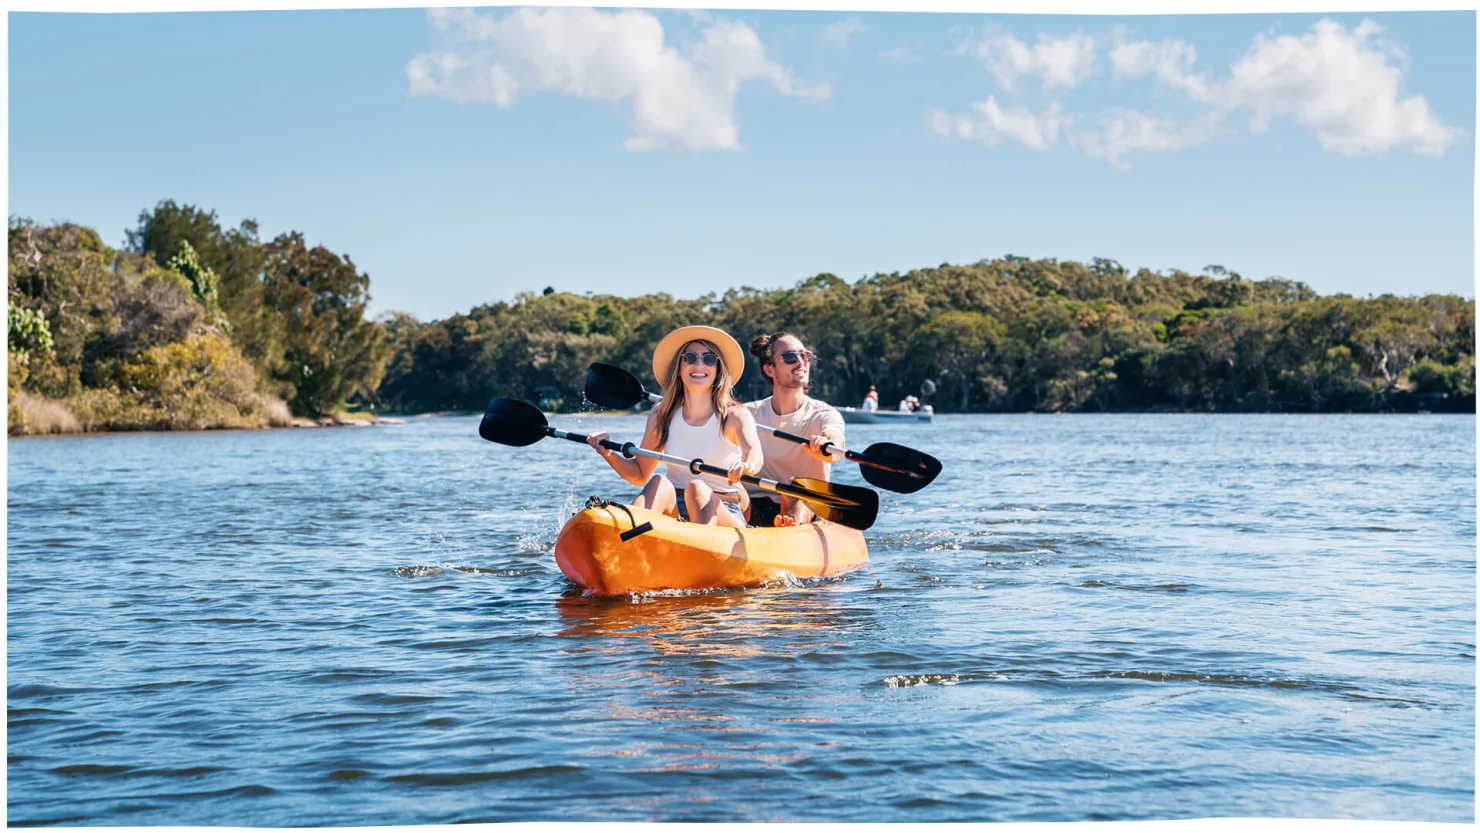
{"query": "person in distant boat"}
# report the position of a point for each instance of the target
(871, 400)
(787, 364)
(698, 418)
(907, 404)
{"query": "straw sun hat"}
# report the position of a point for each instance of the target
(729, 350)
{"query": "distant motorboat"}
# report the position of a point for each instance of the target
(859, 416)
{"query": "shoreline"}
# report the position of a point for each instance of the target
(367, 422)
(337, 422)
(297, 422)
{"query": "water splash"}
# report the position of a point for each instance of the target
(911, 680)
(785, 579)
(540, 540)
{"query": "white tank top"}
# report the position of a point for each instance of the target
(706, 442)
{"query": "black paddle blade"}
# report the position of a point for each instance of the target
(612, 387)
(512, 422)
(920, 468)
(852, 506)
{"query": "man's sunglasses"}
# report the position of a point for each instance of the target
(709, 359)
(794, 356)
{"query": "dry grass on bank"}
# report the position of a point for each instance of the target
(39, 415)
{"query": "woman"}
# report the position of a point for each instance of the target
(698, 418)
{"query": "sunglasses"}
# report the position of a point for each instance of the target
(709, 359)
(794, 356)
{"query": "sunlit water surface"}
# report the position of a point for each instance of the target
(1085, 617)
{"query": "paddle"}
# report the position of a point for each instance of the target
(518, 423)
(890, 466)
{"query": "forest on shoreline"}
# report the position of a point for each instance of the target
(193, 325)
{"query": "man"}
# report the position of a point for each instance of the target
(787, 363)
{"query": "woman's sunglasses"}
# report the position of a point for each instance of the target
(794, 356)
(709, 359)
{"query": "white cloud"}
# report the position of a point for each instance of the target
(1342, 85)
(1060, 62)
(838, 32)
(1169, 60)
(682, 99)
(1119, 134)
(991, 124)
(1339, 84)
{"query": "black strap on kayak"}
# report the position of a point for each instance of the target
(595, 502)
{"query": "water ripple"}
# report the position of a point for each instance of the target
(1085, 618)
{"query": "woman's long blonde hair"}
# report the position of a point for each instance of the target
(721, 393)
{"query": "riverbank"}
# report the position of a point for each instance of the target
(344, 422)
(31, 415)
(54, 423)
(323, 422)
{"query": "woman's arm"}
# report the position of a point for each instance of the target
(636, 470)
(740, 430)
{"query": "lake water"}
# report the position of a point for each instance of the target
(1085, 617)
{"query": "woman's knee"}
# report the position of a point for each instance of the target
(656, 494)
(724, 517)
(698, 492)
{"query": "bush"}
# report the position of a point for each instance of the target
(152, 308)
(29, 332)
(199, 383)
(1429, 376)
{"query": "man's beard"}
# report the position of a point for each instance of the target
(787, 382)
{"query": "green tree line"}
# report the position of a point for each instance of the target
(192, 324)
(1009, 334)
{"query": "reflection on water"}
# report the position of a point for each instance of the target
(706, 644)
(721, 624)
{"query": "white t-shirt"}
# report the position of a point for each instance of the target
(783, 459)
(707, 442)
(869, 404)
(904, 404)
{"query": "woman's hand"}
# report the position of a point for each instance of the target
(736, 472)
(594, 440)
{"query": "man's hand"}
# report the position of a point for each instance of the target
(814, 448)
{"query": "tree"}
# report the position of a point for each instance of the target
(203, 281)
(29, 333)
(64, 275)
(331, 352)
(1389, 346)
(235, 258)
(959, 347)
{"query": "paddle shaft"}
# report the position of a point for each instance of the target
(695, 466)
(861, 459)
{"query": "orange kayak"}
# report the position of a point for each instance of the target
(676, 555)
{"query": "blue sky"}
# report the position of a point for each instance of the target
(461, 157)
